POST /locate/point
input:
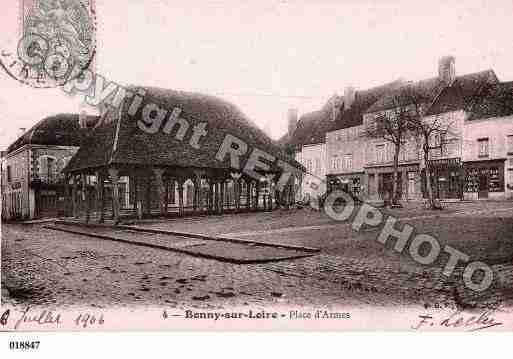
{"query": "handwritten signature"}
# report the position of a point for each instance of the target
(460, 320)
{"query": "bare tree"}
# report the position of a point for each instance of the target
(392, 125)
(431, 134)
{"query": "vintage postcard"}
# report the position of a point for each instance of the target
(261, 165)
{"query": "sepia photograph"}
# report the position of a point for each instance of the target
(277, 165)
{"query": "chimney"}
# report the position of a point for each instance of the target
(82, 119)
(292, 120)
(21, 131)
(349, 96)
(336, 105)
(447, 70)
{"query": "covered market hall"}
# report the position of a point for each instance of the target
(174, 153)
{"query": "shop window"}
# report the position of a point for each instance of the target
(495, 184)
(483, 145)
(348, 161)
(317, 165)
(380, 153)
(356, 186)
(471, 180)
(411, 183)
(510, 144)
(308, 166)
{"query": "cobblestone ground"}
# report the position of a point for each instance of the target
(41, 266)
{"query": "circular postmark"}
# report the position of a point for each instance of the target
(57, 43)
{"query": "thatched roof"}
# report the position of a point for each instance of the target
(122, 142)
(57, 130)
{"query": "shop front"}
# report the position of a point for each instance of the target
(381, 182)
(353, 183)
(484, 179)
(446, 178)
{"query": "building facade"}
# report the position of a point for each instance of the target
(488, 158)
(32, 179)
(472, 158)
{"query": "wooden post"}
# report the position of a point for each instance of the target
(100, 196)
(265, 197)
(147, 192)
(160, 189)
(166, 195)
(257, 195)
(197, 193)
(216, 197)
(271, 195)
(248, 193)
(74, 196)
(114, 175)
(83, 196)
(211, 196)
(221, 196)
(134, 188)
(237, 194)
(180, 197)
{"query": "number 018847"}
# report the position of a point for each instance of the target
(24, 345)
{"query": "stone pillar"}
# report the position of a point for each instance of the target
(114, 176)
(100, 196)
(158, 172)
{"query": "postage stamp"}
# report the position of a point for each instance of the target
(290, 168)
(56, 42)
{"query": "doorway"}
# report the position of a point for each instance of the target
(483, 185)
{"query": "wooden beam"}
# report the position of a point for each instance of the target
(221, 196)
(114, 176)
(166, 195)
(158, 172)
(211, 195)
(147, 197)
(180, 198)
(248, 194)
(74, 204)
(257, 195)
(100, 196)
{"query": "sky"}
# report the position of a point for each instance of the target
(268, 56)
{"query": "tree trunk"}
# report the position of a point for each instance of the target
(431, 200)
(396, 195)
